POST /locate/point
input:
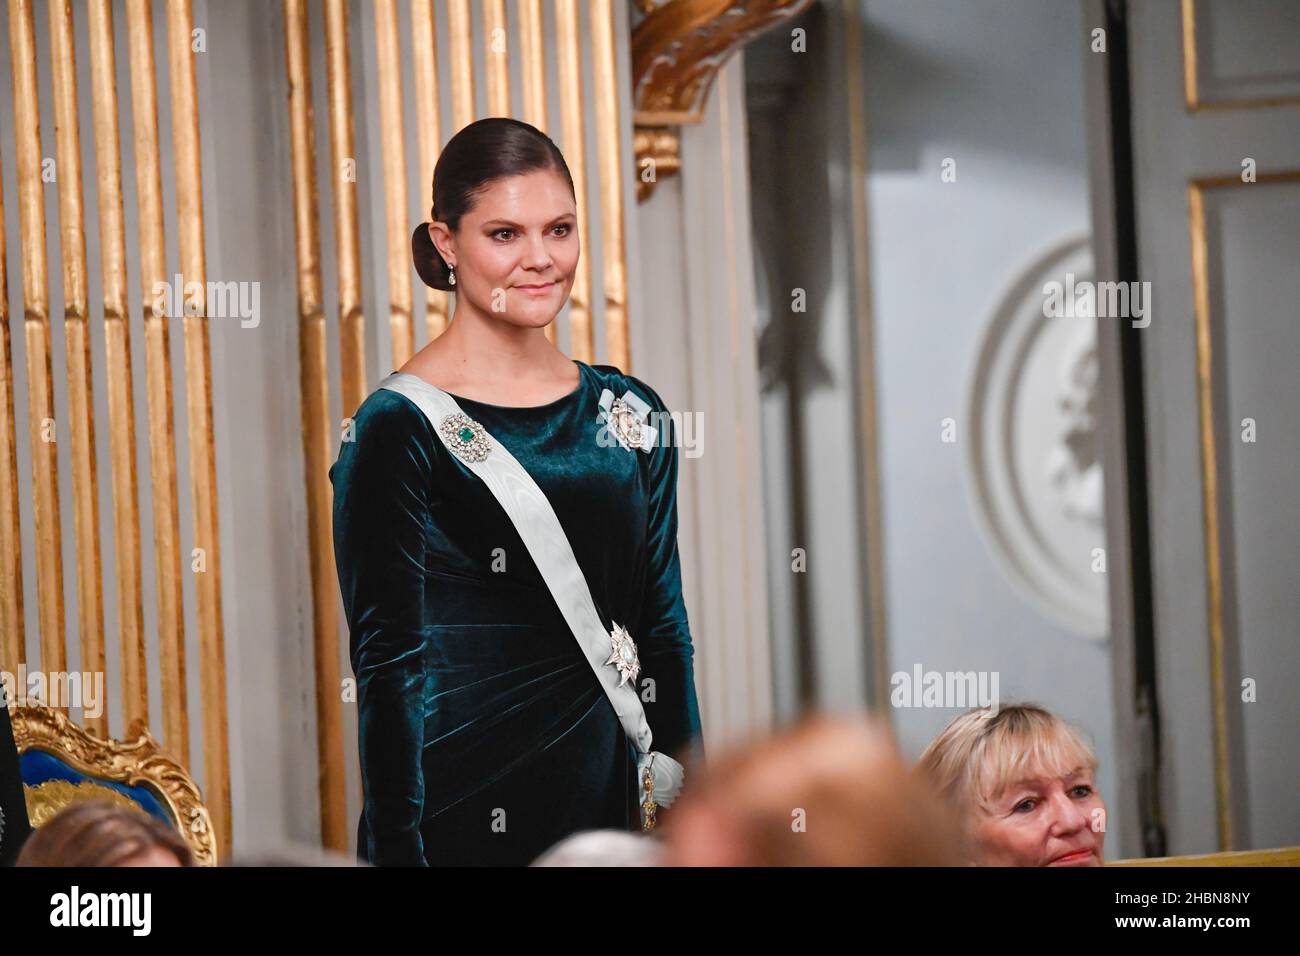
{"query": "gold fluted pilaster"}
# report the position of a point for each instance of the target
(198, 395)
(12, 651)
(532, 68)
(117, 373)
(496, 53)
(316, 431)
(609, 146)
(393, 147)
(532, 62)
(76, 338)
(582, 344)
(343, 176)
(461, 42)
(42, 428)
(428, 128)
(158, 386)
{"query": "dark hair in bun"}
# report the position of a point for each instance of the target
(479, 154)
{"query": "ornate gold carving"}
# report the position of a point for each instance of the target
(658, 154)
(677, 51)
(135, 763)
(46, 800)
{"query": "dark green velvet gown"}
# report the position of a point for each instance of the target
(485, 737)
(14, 826)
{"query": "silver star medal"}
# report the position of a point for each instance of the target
(466, 437)
(624, 657)
(625, 419)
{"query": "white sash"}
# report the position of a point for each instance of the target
(529, 509)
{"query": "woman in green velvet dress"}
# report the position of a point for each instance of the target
(485, 736)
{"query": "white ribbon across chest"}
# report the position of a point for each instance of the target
(530, 510)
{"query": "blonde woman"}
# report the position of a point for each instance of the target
(1023, 782)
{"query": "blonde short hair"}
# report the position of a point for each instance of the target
(982, 753)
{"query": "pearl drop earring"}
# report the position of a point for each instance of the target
(451, 275)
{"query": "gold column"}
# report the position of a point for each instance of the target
(316, 430)
(81, 425)
(532, 62)
(36, 325)
(496, 53)
(158, 386)
(117, 347)
(12, 651)
(462, 63)
(428, 128)
(389, 63)
(532, 67)
(343, 175)
(581, 342)
(198, 382)
(609, 144)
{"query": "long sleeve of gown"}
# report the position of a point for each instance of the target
(15, 827)
(381, 486)
(665, 648)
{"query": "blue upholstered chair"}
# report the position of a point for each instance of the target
(61, 763)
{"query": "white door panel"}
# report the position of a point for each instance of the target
(1215, 85)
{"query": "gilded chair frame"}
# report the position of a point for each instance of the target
(140, 762)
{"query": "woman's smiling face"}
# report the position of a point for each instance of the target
(517, 248)
(1042, 820)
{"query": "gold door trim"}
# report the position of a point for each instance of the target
(1191, 80)
(1214, 559)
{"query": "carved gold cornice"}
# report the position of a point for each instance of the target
(677, 51)
(135, 763)
(659, 148)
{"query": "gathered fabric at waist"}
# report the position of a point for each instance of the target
(454, 599)
(497, 696)
(505, 685)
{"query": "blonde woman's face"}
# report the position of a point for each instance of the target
(517, 249)
(1043, 821)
